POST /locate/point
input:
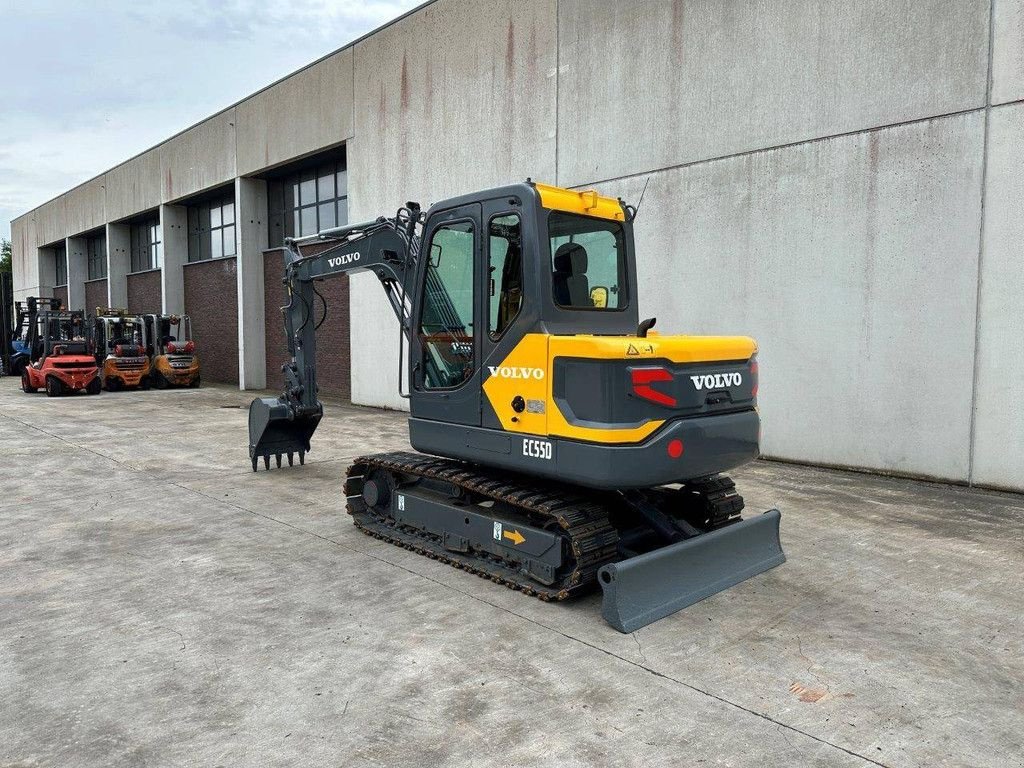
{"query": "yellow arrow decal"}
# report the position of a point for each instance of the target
(514, 536)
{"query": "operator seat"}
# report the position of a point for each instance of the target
(571, 286)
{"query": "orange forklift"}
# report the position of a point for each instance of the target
(171, 350)
(120, 350)
(62, 358)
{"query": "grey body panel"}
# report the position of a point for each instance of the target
(600, 393)
(711, 444)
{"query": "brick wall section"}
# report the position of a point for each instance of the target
(144, 293)
(211, 300)
(62, 294)
(95, 295)
(333, 343)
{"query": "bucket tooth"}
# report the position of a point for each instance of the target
(650, 586)
(277, 458)
(291, 458)
(255, 461)
(302, 458)
(266, 461)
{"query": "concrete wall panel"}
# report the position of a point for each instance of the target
(78, 271)
(251, 237)
(24, 256)
(999, 416)
(85, 207)
(676, 81)
(456, 97)
(134, 186)
(50, 221)
(200, 158)
(853, 262)
(1008, 51)
(305, 113)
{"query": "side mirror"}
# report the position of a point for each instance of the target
(599, 296)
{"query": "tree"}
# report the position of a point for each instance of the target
(5, 255)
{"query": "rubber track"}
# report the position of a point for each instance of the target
(583, 521)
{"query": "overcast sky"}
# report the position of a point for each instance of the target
(86, 85)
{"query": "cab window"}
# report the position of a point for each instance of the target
(446, 322)
(505, 279)
(588, 262)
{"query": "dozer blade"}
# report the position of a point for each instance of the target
(648, 587)
(275, 430)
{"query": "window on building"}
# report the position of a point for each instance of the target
(211, 229)
(60, 258)
(96, 256)
(145, 246)
(308, 202)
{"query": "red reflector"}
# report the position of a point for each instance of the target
(172, 347)
(642, 380)
(675, 448)
(190, 347)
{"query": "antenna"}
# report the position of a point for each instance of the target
(636, 211)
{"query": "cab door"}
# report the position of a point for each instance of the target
(444, 347)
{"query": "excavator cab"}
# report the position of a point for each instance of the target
(527, 357)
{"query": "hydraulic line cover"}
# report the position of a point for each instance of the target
(653, 585)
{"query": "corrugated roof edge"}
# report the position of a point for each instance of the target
(267, 87)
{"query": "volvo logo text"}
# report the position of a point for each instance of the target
(717, 380)
(338, 261)
(506, 372)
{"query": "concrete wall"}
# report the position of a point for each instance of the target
(1007, 51)
(840, 257)
(431, 123)
(133, 186)
(999, 409)
(682, 82)
(269, 132)
(831, 178)
(198, 159)
(85, 207)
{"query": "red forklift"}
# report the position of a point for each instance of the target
(62, 359)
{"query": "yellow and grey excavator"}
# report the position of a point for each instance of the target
(562, 442)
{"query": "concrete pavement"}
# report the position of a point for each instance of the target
(160, 604)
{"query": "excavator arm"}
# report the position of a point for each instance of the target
(387, 247)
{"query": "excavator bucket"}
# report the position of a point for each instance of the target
(275, 430)
(648, 587)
